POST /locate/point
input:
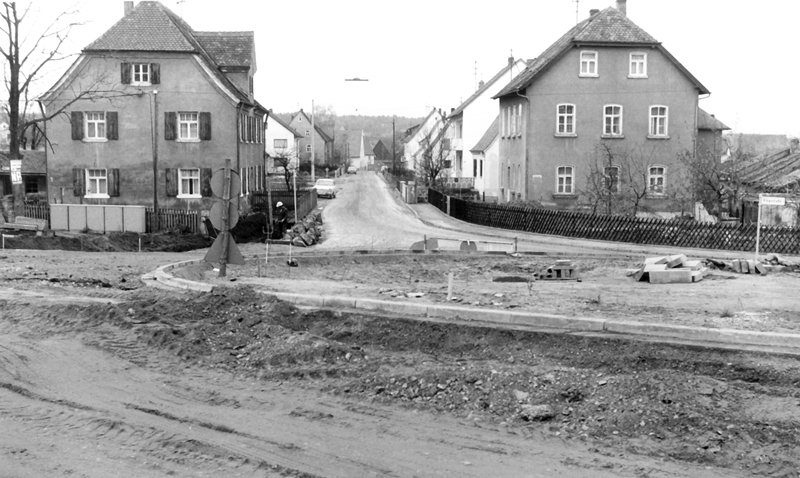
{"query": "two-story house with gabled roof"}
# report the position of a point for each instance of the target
(606, 96)
(176, 104)
(424, 137)
(471, 120)
(323, 142)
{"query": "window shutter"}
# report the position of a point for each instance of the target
(112, 130)
(170, 125)
(78, 182)
(155, 73)
(77, 125)
(205, 182)
(172, 182)
(205, 126)
(113, 182)
(125, 73)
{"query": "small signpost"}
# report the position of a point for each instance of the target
(766, 201)
(224, 215)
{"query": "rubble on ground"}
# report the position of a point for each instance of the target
(306, 232)
(675, 269)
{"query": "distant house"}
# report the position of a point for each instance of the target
(383, 155)
(470, 121)
(323, 142)
(179, 103)
(709, 135)
(421, 137)
(484, 153)
(34, 175)
(282, 142)
(605, 97)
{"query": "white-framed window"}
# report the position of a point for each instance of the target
(657, 179)
(519, 120)
(188, 127)
(638, 65)
(140, 74)
(565, 119)
(97, 183)
(612, 120)
(308, 148)
(95, 126)
(589, 63)
(280, 143)
(564, 180)
(189, 183)
(611, 176)
(659, 116)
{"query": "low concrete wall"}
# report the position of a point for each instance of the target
(77, 217)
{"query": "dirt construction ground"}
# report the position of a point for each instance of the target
(101, 376)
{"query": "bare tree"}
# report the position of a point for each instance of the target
(29, 52)
(619, 180)
(286, 159)
(434, 155)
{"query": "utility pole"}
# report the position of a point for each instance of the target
(156, 225)
(394, 153)
(313, 133)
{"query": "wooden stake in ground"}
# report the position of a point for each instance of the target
(450, 286)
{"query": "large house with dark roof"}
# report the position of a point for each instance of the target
(604, 96)
(168, 106)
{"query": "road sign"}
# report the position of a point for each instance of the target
(217, 180)
(216, 214)
(771, 201)
(16, 171)
(216, 253)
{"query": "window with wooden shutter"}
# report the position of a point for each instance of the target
(125, 73)
(172, 182)
(155, 73)
(113, 182)
(205, 126)
(78, 182)
(76, 120)
(170, 125)
(112, 128)
(205, 182)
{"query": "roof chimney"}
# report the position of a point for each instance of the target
(480, 84)
(622, 7)
(510, 60)
(794, 145)
(593, 12)
(128, 8)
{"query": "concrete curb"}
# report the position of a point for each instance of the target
(163, 277)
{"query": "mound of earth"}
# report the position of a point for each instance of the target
(171, 241)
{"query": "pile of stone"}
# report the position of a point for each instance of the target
(670, 270)
(305, 233)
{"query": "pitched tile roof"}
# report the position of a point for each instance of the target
(149, 27)
(33, 162)
(607, 27)
(325, 136)
(488, 137)
(283, 123)
(228, 48)
(706, 121)
(770, 171)
(480, 90)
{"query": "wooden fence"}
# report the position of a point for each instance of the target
(38, 211)
(679, 233)
(306, 201)
(175, 218)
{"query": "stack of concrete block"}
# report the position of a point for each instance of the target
(562, 270)
(748, 267)
(670, 270)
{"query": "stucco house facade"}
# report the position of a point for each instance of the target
(175, 104)
(282, 141)
(469, 122)
(486, 155)
(420, 137)
(323, 142)
(605, 94)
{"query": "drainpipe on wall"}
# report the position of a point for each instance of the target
(525, 145)
(239, 127)
(154, 131)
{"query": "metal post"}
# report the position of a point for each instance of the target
(226, 197)
(313, 152)
(758, 227)
(154, 131)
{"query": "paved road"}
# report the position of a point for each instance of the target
(368, 214)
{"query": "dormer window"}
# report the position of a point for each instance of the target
(638, 65)
(589, 64)
(140, 74)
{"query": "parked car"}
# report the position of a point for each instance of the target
(352, 170)
(325, 188)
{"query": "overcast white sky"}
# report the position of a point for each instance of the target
(422, 53)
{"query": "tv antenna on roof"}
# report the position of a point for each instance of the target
(181, 2)
(577, 5)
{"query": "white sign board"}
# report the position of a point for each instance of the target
(16, 171)
(771, 201)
